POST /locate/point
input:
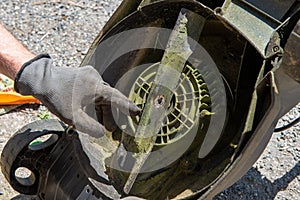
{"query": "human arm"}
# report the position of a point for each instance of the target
(12, 54)
(65, 91)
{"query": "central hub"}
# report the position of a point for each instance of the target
(159, 101)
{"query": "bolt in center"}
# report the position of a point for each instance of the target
(159, 101)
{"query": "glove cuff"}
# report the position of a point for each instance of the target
(17, 78)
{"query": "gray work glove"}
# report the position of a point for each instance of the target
(65, 91)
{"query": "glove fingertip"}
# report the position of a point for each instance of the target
(134, 109)
(88, 125)
(96, 131)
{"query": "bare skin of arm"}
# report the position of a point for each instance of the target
(12, 54)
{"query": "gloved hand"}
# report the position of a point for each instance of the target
(65, 91)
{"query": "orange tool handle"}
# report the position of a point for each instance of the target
(14, 98)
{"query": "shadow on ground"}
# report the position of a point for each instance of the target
(254, 185)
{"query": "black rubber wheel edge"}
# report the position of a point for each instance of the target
(19, 141)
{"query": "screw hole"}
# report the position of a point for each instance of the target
(219, 11)
(159, 101)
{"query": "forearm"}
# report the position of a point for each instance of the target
(12, 54)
